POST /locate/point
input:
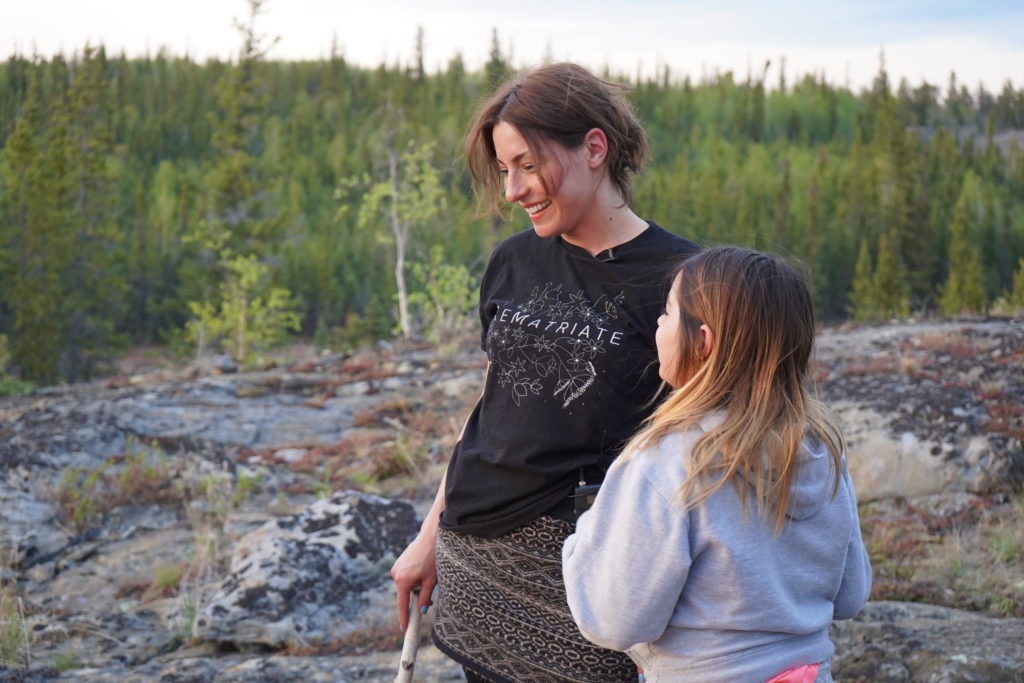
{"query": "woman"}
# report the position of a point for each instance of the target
(569, 312)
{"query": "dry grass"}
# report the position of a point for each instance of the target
(950, 344)
(880, 364)
(972, 560)
(143, 477)
(139, 476)
(1007, 415)
(391, 449)
(15, 632)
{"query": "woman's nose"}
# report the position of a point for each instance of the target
(515, 189)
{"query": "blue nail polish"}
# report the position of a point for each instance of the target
(423, 610)
(640, 678)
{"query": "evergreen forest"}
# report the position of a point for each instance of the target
(229, 205)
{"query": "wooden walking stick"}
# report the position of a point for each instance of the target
(412, 641)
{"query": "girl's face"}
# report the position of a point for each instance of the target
(570, 179)
(669, 339)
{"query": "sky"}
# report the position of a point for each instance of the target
(922, 40)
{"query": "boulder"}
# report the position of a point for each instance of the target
(313, 578)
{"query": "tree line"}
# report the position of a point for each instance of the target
(228, 204)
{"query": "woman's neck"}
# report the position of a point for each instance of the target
(609, 223)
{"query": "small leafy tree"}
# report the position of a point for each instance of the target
(249, 315)
(447, 299)
(409, 196)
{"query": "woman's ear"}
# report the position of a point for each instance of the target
(595, 143)
(707, 338)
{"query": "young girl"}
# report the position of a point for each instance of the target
(725, 538)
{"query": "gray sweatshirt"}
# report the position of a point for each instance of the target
(703, 595)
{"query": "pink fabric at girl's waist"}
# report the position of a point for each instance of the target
(801, 674)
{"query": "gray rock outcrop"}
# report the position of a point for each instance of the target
(312, 578)
(890, 642)
(928, 408)
(933, 411)
(29, 532)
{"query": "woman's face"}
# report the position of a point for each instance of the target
(669, 339)
(572, 182)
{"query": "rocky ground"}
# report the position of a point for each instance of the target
(194, 525)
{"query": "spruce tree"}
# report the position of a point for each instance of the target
(243, 221)
(1016, 294)
(33, 246)
(496, 70)
(94, 280)
(890, 283)
(963, 291)
(863, 300)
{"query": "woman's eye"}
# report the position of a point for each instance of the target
(503, 172)
(529, 168)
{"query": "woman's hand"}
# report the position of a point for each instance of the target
(416, 567)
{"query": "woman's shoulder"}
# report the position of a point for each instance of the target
(667, 241)
(517, 243)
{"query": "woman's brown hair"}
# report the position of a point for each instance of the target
(558, 102)
(759, 310)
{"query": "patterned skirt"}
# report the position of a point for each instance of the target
(501, 610)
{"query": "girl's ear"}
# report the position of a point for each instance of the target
(707, 338)
(595, 142)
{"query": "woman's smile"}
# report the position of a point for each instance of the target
(533, 209)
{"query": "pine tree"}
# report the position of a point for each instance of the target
(418, 72)
(32, 247)
(242, 222)
(1012, 301)
(1016, 294)
(496, 70)
(890, 283)
(781, 211)
(94, 281)
(240, 217)
(963, 291)
(863, 300)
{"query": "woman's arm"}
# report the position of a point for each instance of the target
(417, 565)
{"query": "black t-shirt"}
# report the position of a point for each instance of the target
(573, 371)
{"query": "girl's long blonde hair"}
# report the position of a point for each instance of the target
(756, 377)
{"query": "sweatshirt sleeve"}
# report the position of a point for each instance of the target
(855, 586)
(625, 566)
